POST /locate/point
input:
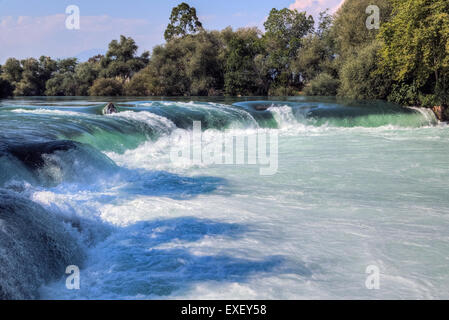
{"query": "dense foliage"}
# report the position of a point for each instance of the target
(405, 61)
(416, 48)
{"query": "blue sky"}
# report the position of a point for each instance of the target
(30, 28)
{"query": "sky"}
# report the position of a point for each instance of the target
(31, 28)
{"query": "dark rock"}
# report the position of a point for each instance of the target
(261, 108)
(36, 246)
(110, 109)
(441, 112)
(32, 155)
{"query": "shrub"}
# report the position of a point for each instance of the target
(137, 86)
(61, 85)
(428, 100)
(404, 94)
(360, 76)
(106, 87)
(323, 85)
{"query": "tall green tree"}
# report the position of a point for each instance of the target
(121, 60)
(285, 30)
(62, 81)
(183, 21)
(416, 49)
(317, 52)
(357, 51)
(62, 84)
(85, 74)
(35, 74)
(241, 76)
(349, 27)
(12, 71)
(186, 66)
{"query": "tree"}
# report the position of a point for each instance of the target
(416, 50)
(106, 87)
(183, 21)
(47, 66)
(66, 65)
(241, 77)
(63, 82)
(287, 27)
(203, 64)
(166, 74)
(121, 60)
(12, 71)
(356, 50)
(350, 31)
(34, 76)
(284, 32)
(317, 52)
(30, 84)
(85, 74)
(186, 66)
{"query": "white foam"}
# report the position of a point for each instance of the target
(49, 112)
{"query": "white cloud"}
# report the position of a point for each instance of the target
(314, 7)
(26, 36)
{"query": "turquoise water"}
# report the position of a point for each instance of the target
(357, 184)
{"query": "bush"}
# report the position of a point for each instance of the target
(61, 85)
(404, 94)
(106, 87)
(428, 100)
(280, 91)
(323, 85)
(138, 85)
(360, 76)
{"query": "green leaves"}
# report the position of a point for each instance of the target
(183, 21)
(121, 60)
(350, 31)
(285, 30)
(241, 74)
(416, 44)
(106, 87)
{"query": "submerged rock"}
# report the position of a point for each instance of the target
(32, 155)
(35, 247)
(110, 109)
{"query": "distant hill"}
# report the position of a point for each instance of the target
(85, 55)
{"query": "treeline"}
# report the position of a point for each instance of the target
(405, 61)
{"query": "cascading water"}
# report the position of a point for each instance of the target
(358, 184)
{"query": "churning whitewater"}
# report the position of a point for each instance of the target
(358, 184)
